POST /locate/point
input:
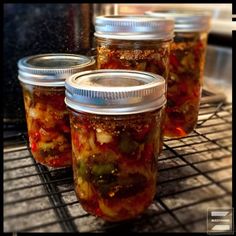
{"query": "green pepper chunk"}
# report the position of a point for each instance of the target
(47, 149)
(102, 169)
(47, 146)
(82, 170)
(127, 145)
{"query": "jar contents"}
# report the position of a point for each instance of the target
(185, 83)
(147, 56)
(139, 43)
(116, 119)
(114, 162)
(48, 125)
(187, 60)
(42, 78)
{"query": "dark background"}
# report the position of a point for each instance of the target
(31, 29)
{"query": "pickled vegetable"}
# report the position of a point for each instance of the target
(185, 82)
(149, 56)
(48, 125)
(114, 162)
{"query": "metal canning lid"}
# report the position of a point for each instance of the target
(115, 92)
(52, 69)
(139, 27)
(185, 21)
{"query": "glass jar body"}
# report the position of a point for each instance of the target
(114, 162)
(143, 55)
(48, 125)
(184, 84)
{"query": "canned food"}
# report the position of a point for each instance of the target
(43, 81)
(134, 43)
(116, 119)
(185, 81)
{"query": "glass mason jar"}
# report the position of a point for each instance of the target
(187, 59)
(134, 43)
(42, 78)
(116, 118)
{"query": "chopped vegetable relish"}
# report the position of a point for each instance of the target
(149, 56)
(114, 162)
(185, 82)
(48, 125)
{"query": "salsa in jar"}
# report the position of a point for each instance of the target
(116, 119)
(185, 81)
(150, 56)
(43, 78)
(134, 43)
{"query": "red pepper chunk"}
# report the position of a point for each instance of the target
(35, 136)
(62, 160)
(180, 132)
(174, 61)
(33, 146)
(77, 143)
(65, 128)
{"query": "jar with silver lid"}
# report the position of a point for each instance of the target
(187, 60)
(116, 119)
(42, 78)
(134, 43)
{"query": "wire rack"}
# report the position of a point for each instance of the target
(195, 173)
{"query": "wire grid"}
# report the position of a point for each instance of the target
(195, 173)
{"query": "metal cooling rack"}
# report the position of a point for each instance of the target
(195, 173)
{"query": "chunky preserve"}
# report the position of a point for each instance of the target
(134, 43)
(116, 119)
(185, 83)
(42, 78)
(150, 56)
(48, 125)
(185, 80)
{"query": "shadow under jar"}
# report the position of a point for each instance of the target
(187, 60)
(42, 78)
(116, 119)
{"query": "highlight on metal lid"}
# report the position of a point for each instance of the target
(115, 92)
(135, 27)
(185, 21)
(52, 69)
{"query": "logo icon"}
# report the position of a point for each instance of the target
(220, 221)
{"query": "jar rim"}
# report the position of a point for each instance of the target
(185, 20)
(134, 27)
(115, 92)
(51, 69)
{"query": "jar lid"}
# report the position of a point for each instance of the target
(115, 92)
(139, 27)
(185, 21)
(52, 69)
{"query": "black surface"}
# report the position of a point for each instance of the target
(220, 40)
(31, 29)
